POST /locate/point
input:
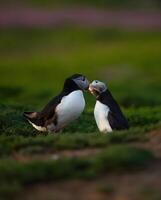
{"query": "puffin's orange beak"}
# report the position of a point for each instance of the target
(91, 89)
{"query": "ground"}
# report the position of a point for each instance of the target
(80, 162)
(135, 186)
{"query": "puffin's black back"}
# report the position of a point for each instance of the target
(115, 117)
(48, 112)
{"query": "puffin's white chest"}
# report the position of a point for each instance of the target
(70, 108)
(101, 116)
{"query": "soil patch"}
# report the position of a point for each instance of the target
(55, 155)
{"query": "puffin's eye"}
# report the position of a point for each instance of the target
(96, 81)
(83, 78)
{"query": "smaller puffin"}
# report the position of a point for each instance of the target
(107, 112)
(62, 109)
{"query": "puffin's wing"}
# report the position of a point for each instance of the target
(33, 117)
(47, 115)
(116, 118)
(30, 115)
(117, 121)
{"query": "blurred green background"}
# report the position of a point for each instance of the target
(134, 4)
(36, 61)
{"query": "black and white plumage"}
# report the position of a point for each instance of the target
(62, 109)
(107, 112)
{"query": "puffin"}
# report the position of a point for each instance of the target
(64, 108)
(107, 112)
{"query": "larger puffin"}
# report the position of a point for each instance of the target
(62, 109)
(107, 112)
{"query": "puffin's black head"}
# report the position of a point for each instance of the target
(97, 87)
(76, 82)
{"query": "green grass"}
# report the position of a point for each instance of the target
(17, 135)
(33, 66)
(137, 4)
